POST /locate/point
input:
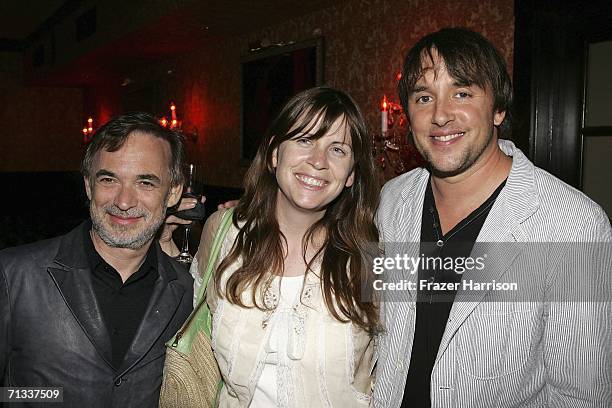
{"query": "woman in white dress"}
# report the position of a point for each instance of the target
(291, 327)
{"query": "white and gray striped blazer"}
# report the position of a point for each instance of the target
(506, 354)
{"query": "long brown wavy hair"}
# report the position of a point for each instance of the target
(348, 222)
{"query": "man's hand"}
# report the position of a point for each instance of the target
(227, 204)
(172, 223)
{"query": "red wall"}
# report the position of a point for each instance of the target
(39, 126)
(365, 42)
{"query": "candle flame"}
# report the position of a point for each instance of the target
(384, 105)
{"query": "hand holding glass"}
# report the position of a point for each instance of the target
(191, 189)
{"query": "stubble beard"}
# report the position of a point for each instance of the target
(466, 160)
(118, 236)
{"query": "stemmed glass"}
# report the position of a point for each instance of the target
(191, 189)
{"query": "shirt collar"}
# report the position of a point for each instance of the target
(96, 261)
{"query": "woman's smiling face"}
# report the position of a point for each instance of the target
(311, 172)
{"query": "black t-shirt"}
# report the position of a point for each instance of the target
(122, 304)
(433, 307)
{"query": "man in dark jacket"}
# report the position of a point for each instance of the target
(90, 311)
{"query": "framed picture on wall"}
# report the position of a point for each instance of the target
(268, 79)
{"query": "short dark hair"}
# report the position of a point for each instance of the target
(113, 134)
(469, 58)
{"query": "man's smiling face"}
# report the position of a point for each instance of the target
(129, 191)
(453, 123)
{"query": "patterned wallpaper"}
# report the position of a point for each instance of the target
(365, 42)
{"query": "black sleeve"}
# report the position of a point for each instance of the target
(5, 321)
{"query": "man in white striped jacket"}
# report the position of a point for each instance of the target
(547, 344)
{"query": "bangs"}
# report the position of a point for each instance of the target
(313, 113)
(313, 117)
(469, 58)
(462, 67)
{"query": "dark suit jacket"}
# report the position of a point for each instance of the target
(52, 332)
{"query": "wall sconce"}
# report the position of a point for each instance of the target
(392, 146)
(88, 130)
(176, 124)
(173, 123)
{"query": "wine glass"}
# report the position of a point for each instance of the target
(191, 189)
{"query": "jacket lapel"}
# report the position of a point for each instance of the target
(407, 239)
(409, 218)
(72, 276)
(401, 237)
(466, 301)
(517, 201)
(165, 300)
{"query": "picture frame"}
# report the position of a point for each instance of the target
(268, 78)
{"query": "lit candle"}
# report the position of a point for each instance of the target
(385, 115)
(88, 130)
(173, 110)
